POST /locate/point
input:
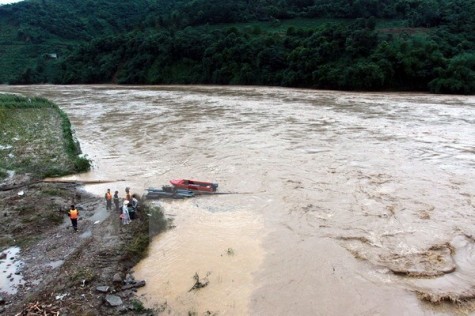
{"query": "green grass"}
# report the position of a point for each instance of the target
(54, 192)
(83, 274)
(138, 306)
(53, 216)
(36, 138)
(152, 221)
(157, 221)
(6, 241)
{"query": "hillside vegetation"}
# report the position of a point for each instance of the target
(412, 45)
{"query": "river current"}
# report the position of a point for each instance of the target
(343, 203)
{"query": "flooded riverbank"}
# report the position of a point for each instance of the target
(361, 202)
(10, 267)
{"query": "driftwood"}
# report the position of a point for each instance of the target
(80, 181)
(13, 187)
(9, 188)
(133, 285)
(38, 309)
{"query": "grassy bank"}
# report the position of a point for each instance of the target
(152, 222)
(36, 138)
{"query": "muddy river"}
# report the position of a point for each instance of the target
(343, 204)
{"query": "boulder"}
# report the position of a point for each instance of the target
(102, 289)
(129, 278)
(113, 300)
(117, 278)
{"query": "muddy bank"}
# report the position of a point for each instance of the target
(61, 271)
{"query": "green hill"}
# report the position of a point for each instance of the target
(419, 45)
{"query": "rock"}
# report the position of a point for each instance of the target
(126, 294)
(2, 309)
(2, 300)
(3, 255)
(60, 297)
(123, 309)
(117, 278)
(129, 278)
(102, 289)
(113, 300)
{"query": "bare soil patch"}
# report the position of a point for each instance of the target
(66, 272)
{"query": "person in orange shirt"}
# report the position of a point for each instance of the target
(73, 214)
(108, 197)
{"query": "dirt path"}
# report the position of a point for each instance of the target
(67, 272)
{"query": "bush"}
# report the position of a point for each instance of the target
(3, 174)
(82, 164)
(151, 223)
(157, 221)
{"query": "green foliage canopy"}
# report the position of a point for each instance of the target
(421, 45)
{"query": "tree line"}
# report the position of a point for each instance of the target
(177, 42)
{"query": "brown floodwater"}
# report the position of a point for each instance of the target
(354, 204)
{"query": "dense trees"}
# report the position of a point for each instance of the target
(427, 45)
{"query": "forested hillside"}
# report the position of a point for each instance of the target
(411, 45)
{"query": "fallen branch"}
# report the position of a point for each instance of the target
(133, 285)
(80, 181)
(5, 188)
(37, 309)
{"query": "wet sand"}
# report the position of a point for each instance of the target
(362, 202)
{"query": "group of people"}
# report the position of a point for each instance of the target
(128, 211)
